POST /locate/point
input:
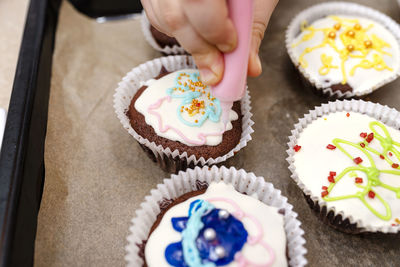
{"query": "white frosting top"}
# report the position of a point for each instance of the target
(314, 162)
(162, 110)
(371, 44)
(272, 225)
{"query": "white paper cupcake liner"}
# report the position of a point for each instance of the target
(174, 50)
(171, 161)
(243, 182)
(343, 8)
(389, 116)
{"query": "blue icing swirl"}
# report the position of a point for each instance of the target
(191, 98)
(195, 250)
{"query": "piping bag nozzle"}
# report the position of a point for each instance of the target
(233, 84)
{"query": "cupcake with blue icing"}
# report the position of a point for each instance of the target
(344, 49)
(213, 223)
(175, 117)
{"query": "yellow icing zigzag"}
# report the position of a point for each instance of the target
(352, 42)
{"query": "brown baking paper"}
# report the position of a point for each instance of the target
(94, 172)
(97, 176)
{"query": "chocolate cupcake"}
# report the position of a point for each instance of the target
(158, 40)
(345, 157)
(344, 49)
(215, 217)
(162, 39)
(175, 118)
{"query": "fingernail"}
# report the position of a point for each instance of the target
(225, 47)
(207, 76)
(258, 62)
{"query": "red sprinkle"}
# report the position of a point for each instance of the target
(395, 165)
(393, 224)
(371, 194)
(357, 160)
(348, 114)
(297, 148)
(332, 173)
(324, 193)
(331, 179)
(382, 156)
(359, 180)
(370, 137)
(363, 135)
(390, 154)
(324, 188)
(362, 145)
(331, 147)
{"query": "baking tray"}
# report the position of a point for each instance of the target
(276, 94)
(22, 152)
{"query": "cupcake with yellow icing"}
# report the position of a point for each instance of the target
(344, 49)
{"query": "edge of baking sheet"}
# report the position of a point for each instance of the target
(22, 152)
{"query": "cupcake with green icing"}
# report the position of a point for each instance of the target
(345, 156)
(344, 50)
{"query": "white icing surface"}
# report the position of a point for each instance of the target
(363, 79)
(271, 220)
(168, 111)
(314, 162)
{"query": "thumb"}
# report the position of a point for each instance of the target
(262, 13)
(255, 68)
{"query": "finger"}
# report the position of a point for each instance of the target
(262, 13)
(255, 67)
(151, 14)
(210, 19)
(206, 56)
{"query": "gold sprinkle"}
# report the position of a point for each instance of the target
(357, 26)
(332, 35)
(351, 33)
(196, 121)
(368, 43)
(203, 112)
(337, 26)
(350, 47)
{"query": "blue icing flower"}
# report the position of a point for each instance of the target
(196, 102)
(210, 237)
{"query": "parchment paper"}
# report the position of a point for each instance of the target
(96, 175)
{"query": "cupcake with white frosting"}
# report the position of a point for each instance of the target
(216, 217)
(174, 116)
(345, 157)
(344, 49)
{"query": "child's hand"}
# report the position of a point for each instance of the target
(204, 29)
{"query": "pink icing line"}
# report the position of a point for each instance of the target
(201, 136)
(253, 240)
